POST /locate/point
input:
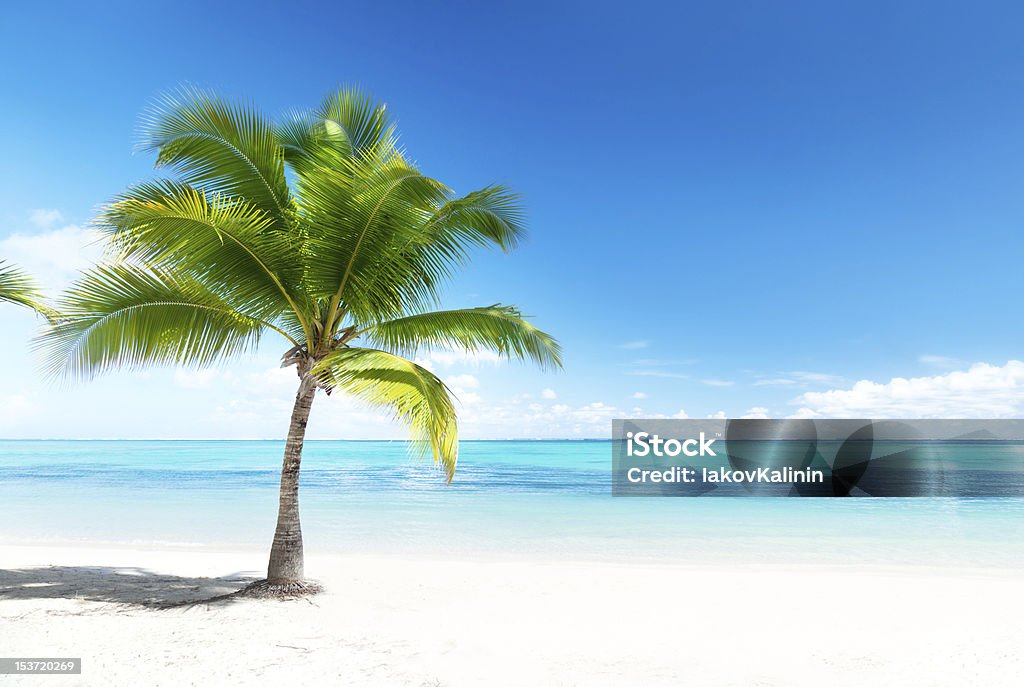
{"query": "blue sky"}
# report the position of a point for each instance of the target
(739, 208)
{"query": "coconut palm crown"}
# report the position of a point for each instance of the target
(317, 230)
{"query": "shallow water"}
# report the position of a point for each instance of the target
(513, 498)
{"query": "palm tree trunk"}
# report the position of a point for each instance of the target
(286, 560)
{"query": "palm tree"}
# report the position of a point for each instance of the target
(317, 230)
(17, 287)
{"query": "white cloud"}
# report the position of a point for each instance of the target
(460, 385)
(282, 381)
(597, 409)
(756, 413)
(53, 256)
(800, 378)
(514, 418)
(467, 397)
(817, 377)
(983, 390)
(45, 218)
(775, 381)
(15, 409)
(662, 362)
(463, 381)
(717, 382)
(939, 361)
(549, 394)
(639, 395)
(634, 345)
(659, 374)
(451, 358)
(681, 415)
(197, 379)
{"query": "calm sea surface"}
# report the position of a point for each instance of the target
(509, 498)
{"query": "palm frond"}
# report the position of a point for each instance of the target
(499, 328)
(355, 120)
(384, 238)
(360, 219)
(220, 147)
(491, 216)
(413, 394)
(232, 246)
(123, 315)
(307, 146)
(348, 124)
(421, 259)
(16, 286)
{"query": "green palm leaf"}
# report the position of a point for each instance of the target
(232, 246)
(413, 394)
(219, 147)
(348, 124)
(124, 315)
(361, 217)
(490, 216)
(17, 287)
(499, 328)
(420, 261)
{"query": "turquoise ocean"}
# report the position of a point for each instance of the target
(509, 499)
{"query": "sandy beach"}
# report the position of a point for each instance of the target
(423, 621)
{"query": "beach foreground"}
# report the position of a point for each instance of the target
(406, 620)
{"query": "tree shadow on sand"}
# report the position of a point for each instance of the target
(123, 585)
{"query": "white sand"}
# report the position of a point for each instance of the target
(418, 621)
